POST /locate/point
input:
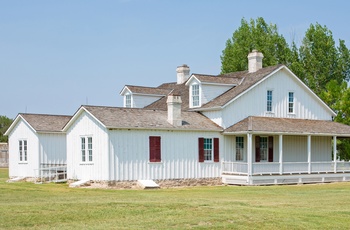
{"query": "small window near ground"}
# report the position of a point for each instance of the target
(239, 148)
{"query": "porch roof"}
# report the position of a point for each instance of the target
(288, 126)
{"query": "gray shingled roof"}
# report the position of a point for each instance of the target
(46, 123)
(115, 117)
(223, 79)
(248, 80)
(148, 90)
(178, 89)
(289, 125)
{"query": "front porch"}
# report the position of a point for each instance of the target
(264, 173)
(266, 150)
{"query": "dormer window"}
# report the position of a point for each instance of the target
(195, 95)
(128, 100)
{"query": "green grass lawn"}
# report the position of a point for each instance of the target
(56, 206)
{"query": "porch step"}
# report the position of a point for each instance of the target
(16, 179)
(147, 184)
(79, 183)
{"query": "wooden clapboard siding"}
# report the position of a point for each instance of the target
(85, 125)
(253, 102)
(23, 169)
(129, 150)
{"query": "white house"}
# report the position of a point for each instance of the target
(36, 141)
(260, 126)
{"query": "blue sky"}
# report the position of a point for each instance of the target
(58, 55)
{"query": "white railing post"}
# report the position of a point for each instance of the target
(249, 155)
(335, 153)
(309, 153)
(280, 145)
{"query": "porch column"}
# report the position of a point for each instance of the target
(250, 154)
(309, 153)
(280, 145)
(335, 153)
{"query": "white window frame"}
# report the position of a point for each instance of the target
(269, 107)
(23, 150)
(261, 149)
(291, 103)
(208, 151)
(128, 101)
(86, 149)
(239, 148)
(197, 96)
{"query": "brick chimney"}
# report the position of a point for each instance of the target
(174, 109)
(254, 61)
(183, 73)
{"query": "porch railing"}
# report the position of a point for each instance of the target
(51, 174)
(287, 167)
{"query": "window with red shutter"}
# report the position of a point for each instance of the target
(216, 150)
(257, 149)
(201, 149)
(270, 148)
(154, 149)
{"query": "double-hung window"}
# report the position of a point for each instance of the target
(23, 147)
(86, 149)
(290, 102)
(128, 100)
(269, 101)
(263, 149)
(239, 148)
(208, 149)
(195, 95)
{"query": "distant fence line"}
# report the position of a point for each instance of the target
(4, 155)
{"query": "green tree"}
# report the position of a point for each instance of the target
(254, 35)
(321, 61)
(5, 123)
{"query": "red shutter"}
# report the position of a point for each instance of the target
(154, 149)
(270, 148)
(201, 149)
(216, 150)
(257, 149)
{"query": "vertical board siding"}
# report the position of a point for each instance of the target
(85, 125)
(179, 149)
(17, 168)
(52, 149)
(321, 149)
(140, 101)
(295, 148)
(253, 103)
(209, 92)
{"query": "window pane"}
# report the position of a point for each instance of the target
(83, 158)
(25, 150)
(239, 148)
(90, 148)
(269, 101)
(263, 149)
(195, 95)
(20, 151)
(291, 102)
(128, 100)
(208, 149)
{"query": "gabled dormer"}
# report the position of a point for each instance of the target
(204, 88)
(140, 96)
